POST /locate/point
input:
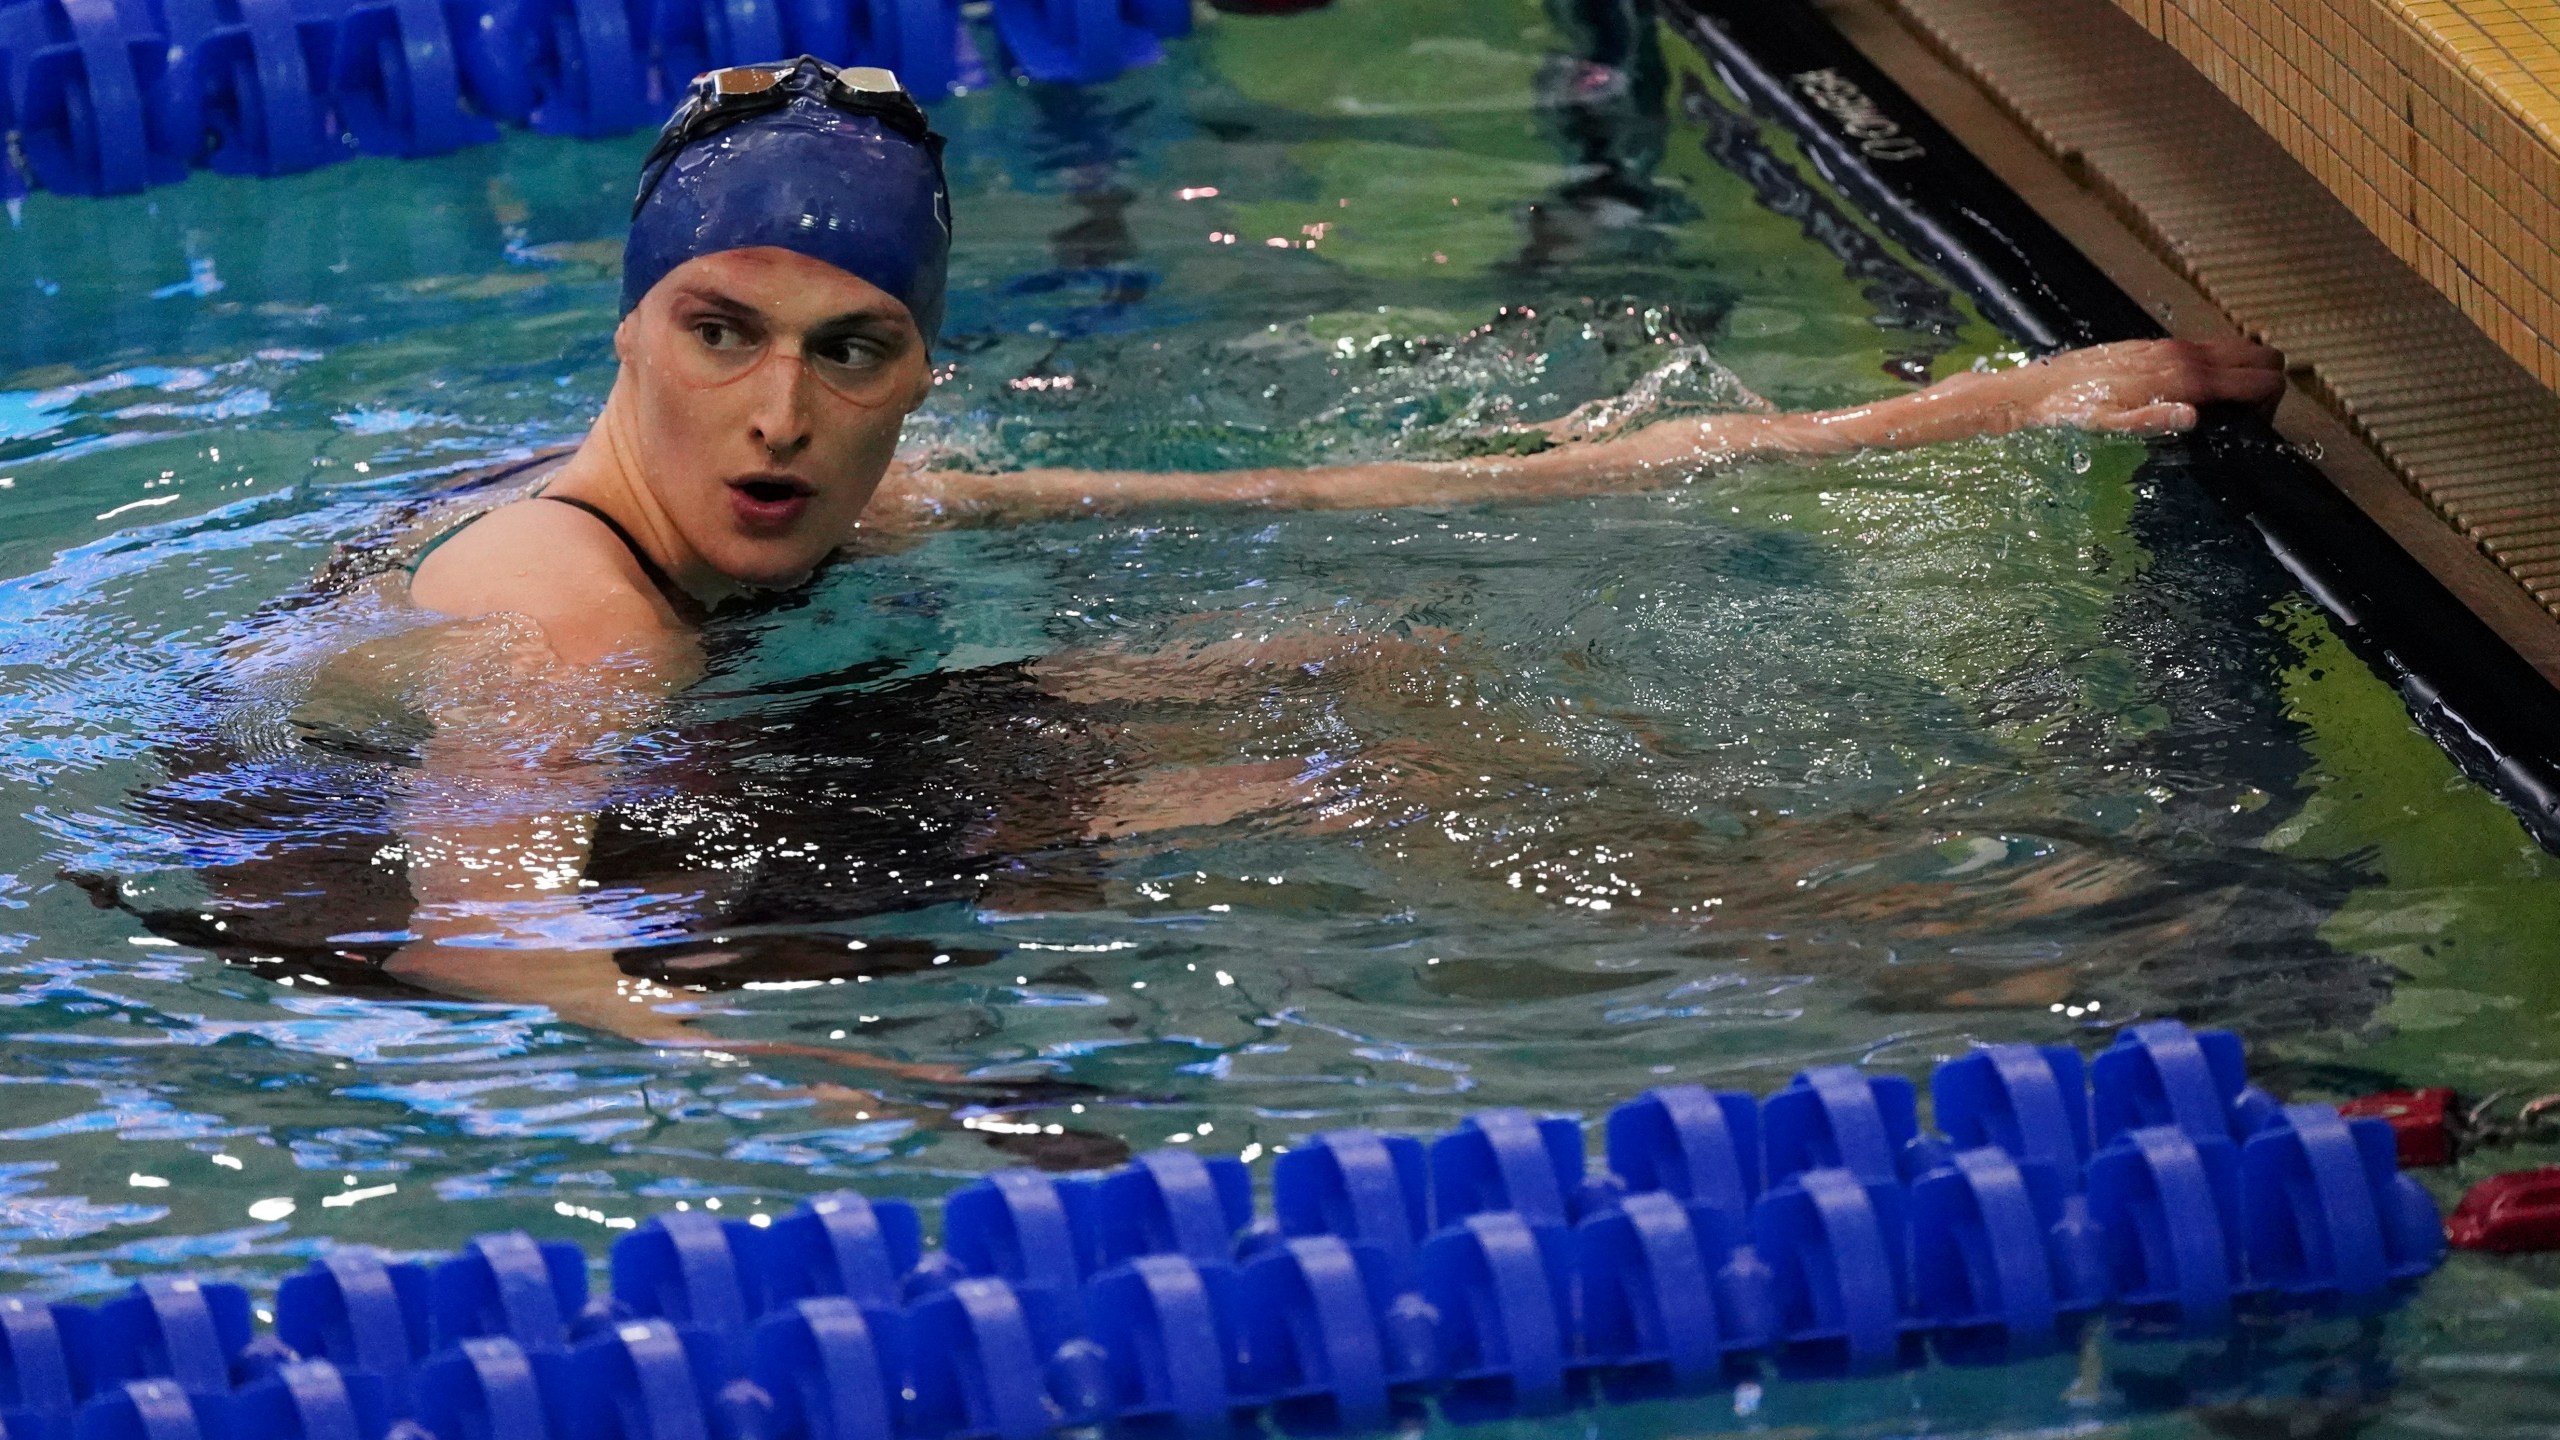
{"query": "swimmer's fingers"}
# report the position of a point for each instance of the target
(2151, 387)
(2206, 372)
(2150, 422)
(2240, 372)
(2197, 354)
(2248, 354)
(2234, 354)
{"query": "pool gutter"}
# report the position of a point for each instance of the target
(2479, 677)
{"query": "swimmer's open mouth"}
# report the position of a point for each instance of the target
(772, 489)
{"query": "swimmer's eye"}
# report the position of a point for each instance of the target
(856, 360)
(718, 334)
(849, 352)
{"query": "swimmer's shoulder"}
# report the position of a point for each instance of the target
(555, 565)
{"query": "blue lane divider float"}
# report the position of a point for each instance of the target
(1368, 1188)
(250, 76)
(1821, 1231)
(1840, 1117)
(396, 78)
(93, 115)
(17, 31)
(114, 96)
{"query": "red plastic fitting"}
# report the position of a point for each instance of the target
(2509, 1214)
(2424, 1120)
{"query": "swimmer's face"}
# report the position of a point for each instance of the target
(768, 391)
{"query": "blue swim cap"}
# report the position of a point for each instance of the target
(806, 162)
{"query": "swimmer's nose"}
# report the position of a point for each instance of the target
(783, 420)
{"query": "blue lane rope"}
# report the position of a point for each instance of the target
(1492, 1272)
(105, 97)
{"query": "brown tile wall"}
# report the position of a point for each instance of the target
(2436, 121)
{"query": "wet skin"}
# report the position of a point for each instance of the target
(756, 412)
(753, 428)
(751, 433)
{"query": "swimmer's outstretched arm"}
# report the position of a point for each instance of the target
(2146, 388)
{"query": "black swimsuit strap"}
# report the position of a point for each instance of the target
(677, 597)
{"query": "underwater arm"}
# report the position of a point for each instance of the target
(499, 921)
(2148, 388)
(496, 831)
(496, 855)
(496, 823)
(2144, 388)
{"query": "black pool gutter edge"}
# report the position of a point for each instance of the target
(2467, 689)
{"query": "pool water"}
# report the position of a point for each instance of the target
(1861, 760)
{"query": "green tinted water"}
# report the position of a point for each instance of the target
(1863, 760)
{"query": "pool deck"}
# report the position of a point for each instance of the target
(2436, 121)
(2437, 430)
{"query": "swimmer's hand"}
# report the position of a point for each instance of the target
(2148, 388)
(2137, 387)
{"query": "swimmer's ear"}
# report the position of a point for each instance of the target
(622, 337)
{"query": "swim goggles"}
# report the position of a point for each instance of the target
(718, 99)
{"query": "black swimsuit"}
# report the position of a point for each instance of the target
(769, 834)
(756, 846)
(678, 599)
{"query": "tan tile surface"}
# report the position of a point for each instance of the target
(2436, 121)
(2433, 326)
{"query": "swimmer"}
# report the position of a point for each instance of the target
(782, 291)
